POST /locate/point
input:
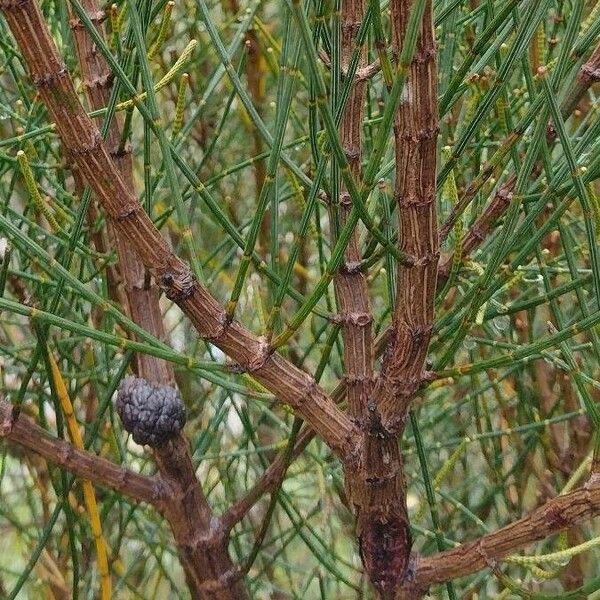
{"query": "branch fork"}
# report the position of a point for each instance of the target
(366, 437)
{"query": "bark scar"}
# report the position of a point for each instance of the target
(178, 286)
(7, 424)
(262, 356)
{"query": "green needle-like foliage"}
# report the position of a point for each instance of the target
(233, 113)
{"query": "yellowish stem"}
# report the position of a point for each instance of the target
(88, 490)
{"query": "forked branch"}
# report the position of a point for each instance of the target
(291, 385)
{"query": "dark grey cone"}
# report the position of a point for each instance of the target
(153, 414)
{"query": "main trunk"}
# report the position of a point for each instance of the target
(379, 488)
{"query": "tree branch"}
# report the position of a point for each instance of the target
(351, 284)
(377, 484)
(290, 384)
(24, 432)
(415, 132)
(588, 74)
(558, 514)
(362, 483)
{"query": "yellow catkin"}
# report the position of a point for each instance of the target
(32, 188)
(501, 114)
(591, 19)
(555, 558)
(30, 149)
(595, 202)
(180, 106)
(470, 106)
(121, 18)
(540, 44)
(170, 75)
(443, 473)
(450, 194)
(542, 574)
(449, 189)
(162, 31)
(88, 490)
(115, 25)
(270, 40)
(254, 385)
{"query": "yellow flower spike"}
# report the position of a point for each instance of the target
(471, 105)
(450, 195)
(439, 383)
(540, 43)
(259, 301)
(591, 19)
(121, 18)
(542, 574)
(30, 149)
(172, 72)
(115, 25)
(595, 202)
(32, 188)
(501, 114)
(554, 558)
(162, 31)
(180, 106)
(88, 490)
(449, 188)
(62, 217)
(449, 465)
(443, 473)
(253, 384)
(264, 31)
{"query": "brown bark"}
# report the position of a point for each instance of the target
(97, 82)
(352, 295)
(378, 488)
(201, 540)
(588, 74)
(558, 514)
(276, 469)
(21, 430)
(415, 131)
(202, 549)
(255, 75)
(104, 242)
(350, 284)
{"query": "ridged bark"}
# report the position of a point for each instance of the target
(350, 283)
(559, 514)
(384, 529)
(24, 432)
(352, 294)
(291, 385)
(415, 133)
